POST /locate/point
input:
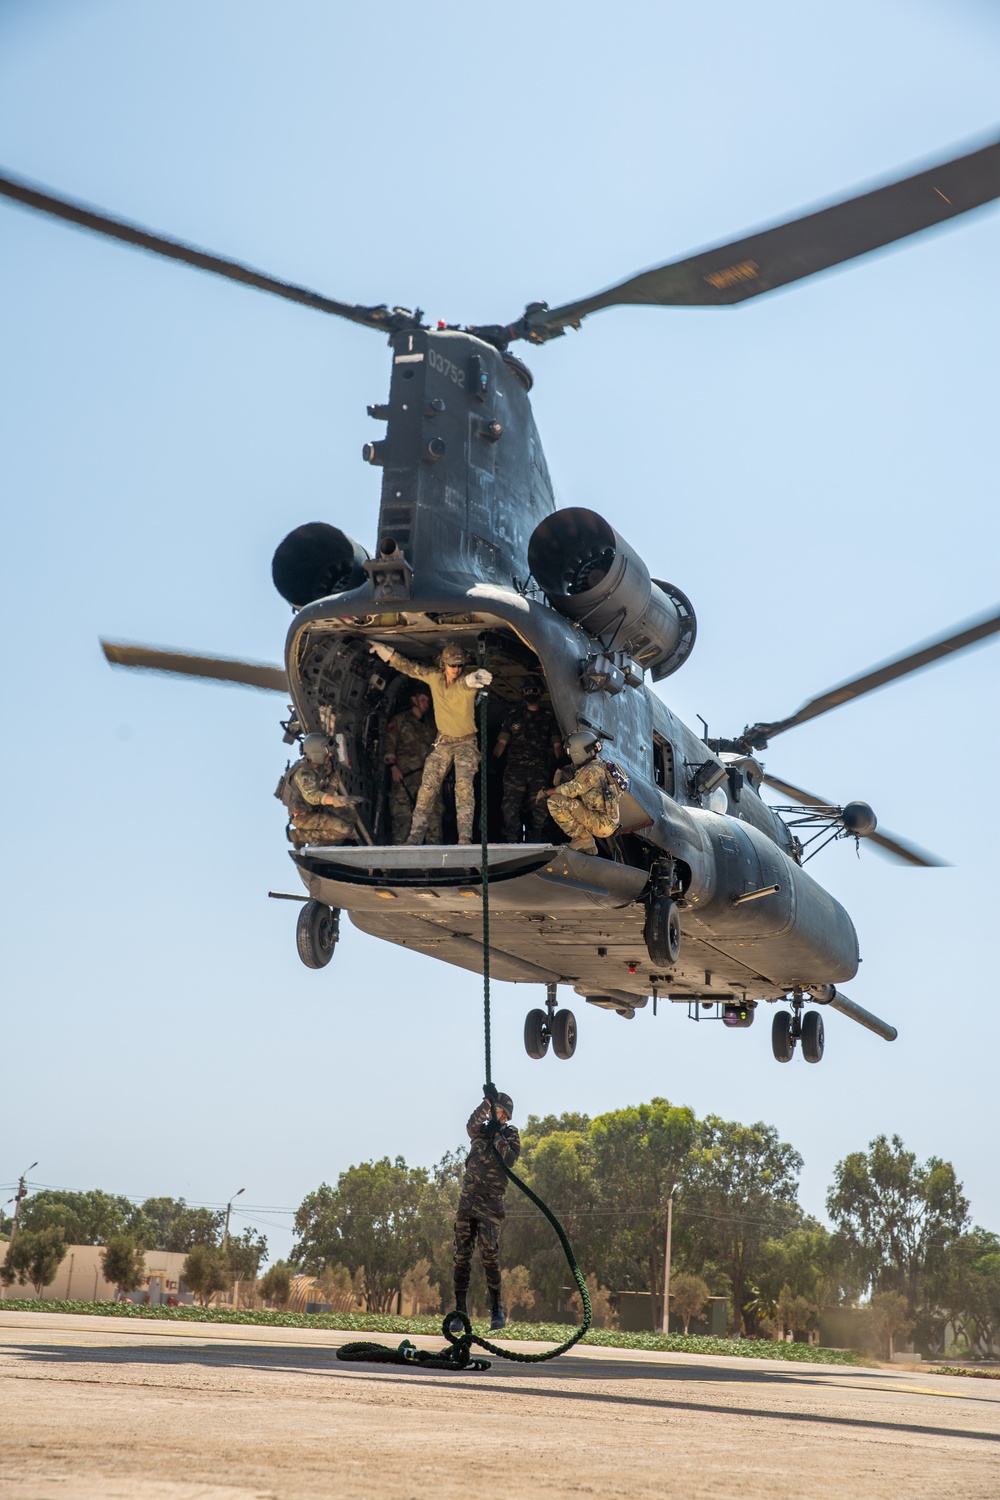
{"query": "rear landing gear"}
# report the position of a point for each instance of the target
(805, 1027)
(544, 1026)
(316, 934)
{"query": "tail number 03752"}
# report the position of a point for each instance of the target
(450, 371)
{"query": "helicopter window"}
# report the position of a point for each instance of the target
(663, 764)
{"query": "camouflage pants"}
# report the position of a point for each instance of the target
(521, 785)
(402, 801)
(578, 820)
(467, 1232)
(463, 754)
(320, 827)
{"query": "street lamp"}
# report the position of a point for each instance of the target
(229, 1208)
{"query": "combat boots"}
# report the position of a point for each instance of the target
(461, 1306)
(498, 1316)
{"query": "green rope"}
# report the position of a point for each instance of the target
(485, 867)
(459, 1355)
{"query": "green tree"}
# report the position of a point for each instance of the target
(276, 1283)
(206, 1271)
(86, 1218)
(178, 1227)
(124, 1263)
(638, 1159)
(372, 1221)
(890, 1319)
(556, 1165)
(245, 1254)
(35, 1256)
(688, 1296)
(965, 1292)
(741, 1192)
(808, 1265)
(896, 1217)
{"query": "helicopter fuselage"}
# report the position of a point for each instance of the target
(465, 486)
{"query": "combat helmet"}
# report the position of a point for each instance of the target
(453, 655)
(506, 1103)
(316, 748)
(583, 746)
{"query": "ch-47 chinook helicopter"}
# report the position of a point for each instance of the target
(701, 896)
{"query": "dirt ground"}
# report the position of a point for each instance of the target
(96, 1409)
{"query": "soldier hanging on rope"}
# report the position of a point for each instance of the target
(587, 805)
(453, 692)
(481, 1204)
(529, 739)
(408, 740)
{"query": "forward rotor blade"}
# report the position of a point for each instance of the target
(772, 258)
(183, 664)
(757, 736)
(84, 217)
(895, 847)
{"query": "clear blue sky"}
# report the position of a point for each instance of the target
(816, 469)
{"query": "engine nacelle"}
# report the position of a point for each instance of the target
(316, 560)
(590, 573)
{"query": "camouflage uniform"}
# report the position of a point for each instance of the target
(586, 804)
(480, 1206)
(456, 745)
(531, 736)
(312, 823)
(407, 744)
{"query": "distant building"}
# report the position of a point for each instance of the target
(80, 1278)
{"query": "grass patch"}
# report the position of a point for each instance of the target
(972, 1370)
(364, 1322)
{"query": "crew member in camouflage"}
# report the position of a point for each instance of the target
(481, 1204)
(587, 804)
(530, 739)
(319, 810)
(408, 740)
(453, 693)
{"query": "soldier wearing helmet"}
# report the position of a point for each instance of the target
(481, 1204)
(453, 693)
(407, 744)
(529, 739)
(319, 811)
(587, 804)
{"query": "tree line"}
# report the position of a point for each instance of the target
(52, 1220)
(901, 1245)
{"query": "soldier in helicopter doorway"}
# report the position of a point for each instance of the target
(587, 805)
(529, 740)
(318, 809)
(408, 740)
(453, 693)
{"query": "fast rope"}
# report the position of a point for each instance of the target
(459, 1356)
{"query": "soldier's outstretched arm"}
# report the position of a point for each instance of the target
(478, 1118)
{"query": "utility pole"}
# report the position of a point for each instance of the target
(229, 1209)
(666, 1265)
(22, 1192)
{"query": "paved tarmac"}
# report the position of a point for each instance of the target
(101, 1409)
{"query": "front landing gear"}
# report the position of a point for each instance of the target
(805, 1027)
(544, 1026)
(316, 934)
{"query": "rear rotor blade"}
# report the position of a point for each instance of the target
(184, 664)
(84, 217)
(757, 736)
(895, 847)
(774, 257)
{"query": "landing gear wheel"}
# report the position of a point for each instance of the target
(782, 1040)
(316, 934)
(564, 1033)
(812, 1036)
(536, 1033)
(662, 932)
